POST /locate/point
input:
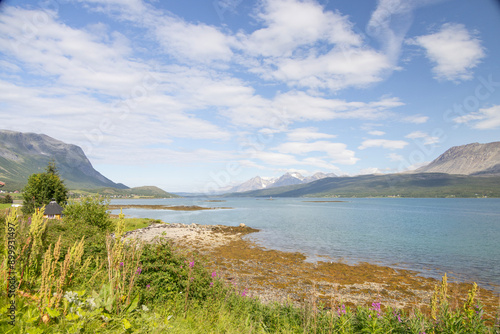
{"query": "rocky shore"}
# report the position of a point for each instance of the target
(275, 276)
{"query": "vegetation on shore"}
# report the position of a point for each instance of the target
(93, 282)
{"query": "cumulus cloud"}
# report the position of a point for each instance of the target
(376, 133)
(304, 45)
(384, 143)
(416, 119)
(427, 139)
(337, 152)
(307, 134)
(483, 119)
(453, 50)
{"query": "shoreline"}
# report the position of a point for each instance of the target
(286, 277)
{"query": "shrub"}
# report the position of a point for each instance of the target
(91, 211)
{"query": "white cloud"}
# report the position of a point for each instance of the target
(427, 139)
(483, 119)
(384, 143)
(338, 152)
(195, 42)
(303, 45)
(291, 24)
(307, 134)
(453, 50)
(416, 119)
(376, 133)
(390, 22)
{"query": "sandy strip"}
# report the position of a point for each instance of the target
(203, 236)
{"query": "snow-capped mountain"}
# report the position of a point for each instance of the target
(287, 179)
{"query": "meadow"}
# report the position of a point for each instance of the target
(56, 282)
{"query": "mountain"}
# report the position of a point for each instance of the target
(471, 159)
(389, 185)
(23, 154)
(252, 184)
(471, 170)
(287, 179)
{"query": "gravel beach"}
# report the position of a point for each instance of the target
(275, 276)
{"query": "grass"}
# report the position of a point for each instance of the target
(136, 223)
(158, 288)
(5, 206)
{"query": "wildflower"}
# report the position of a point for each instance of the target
(376, 308)
(244, 293)
(121, 264)
(211, 283)
(214, 274)
(139, 270)
(341, 310)
(145, 308)
(191, 264)
(148, 286)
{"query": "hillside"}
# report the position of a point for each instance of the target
(401, 185)
(146, 191)
(23, 154)
(479, 159)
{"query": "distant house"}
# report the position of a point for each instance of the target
(53, 210)
(1, 184)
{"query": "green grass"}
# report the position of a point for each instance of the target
(136, 223)
(161, 289)
(5, 206)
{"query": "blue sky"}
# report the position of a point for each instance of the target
(199, 95)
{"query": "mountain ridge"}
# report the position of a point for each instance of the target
(289, 178)
(469, 159)
(23, 154)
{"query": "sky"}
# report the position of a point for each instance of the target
(200, 95)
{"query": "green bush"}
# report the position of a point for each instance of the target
(91, 211)
(165, 274)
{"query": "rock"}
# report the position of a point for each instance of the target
(242, 225)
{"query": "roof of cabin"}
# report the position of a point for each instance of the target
(53, 209)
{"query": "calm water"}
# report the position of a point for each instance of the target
(433, 236)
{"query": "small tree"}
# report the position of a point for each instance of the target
(42, 188)
(89, 211)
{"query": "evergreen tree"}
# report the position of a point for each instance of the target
(42, 188)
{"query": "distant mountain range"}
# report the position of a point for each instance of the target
(23, 154)
(287, 179)
(471, 170)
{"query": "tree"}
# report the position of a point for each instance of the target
(42, 188)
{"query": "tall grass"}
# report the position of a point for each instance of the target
(153, 288)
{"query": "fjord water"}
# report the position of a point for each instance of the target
(432, 236)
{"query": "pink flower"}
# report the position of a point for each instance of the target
(139, 270)
(214, 274)
(148, 286)
(191, 264)
(121, 264)
(211, 283)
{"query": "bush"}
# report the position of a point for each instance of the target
(165, 274)
(6, 200)
(91, 211)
